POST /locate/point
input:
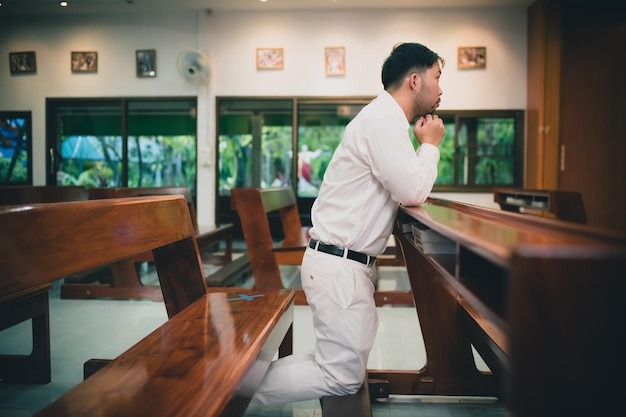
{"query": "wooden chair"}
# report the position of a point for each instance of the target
(253, 207)
(196, 363)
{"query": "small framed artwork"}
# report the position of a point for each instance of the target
(84, 62)
(22, 62)
(269, 58)
(335, 60)
(146, 63)
(472, 57)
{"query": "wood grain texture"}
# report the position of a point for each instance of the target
(513, 277)
(206, 361)
(44, 242)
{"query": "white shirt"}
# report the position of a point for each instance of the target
(374, 169)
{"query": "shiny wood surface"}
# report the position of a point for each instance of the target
(494, 234)
(44, 242)
(41, 243)
(567, 319)
(125, 281)
(463, 298)
(206, 361)
(252, 206)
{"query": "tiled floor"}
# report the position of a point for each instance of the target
(81, 330)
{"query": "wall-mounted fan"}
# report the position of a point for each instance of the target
(194, 66)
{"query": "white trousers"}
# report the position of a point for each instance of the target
(340, 294)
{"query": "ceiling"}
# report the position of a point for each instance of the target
(50, 7)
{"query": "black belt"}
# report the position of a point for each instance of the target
(337, 251)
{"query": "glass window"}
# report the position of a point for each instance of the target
(320, 129)
(480, 150)
(162, 144)
(122, 142)
(16, 165)
(89, 145)
(255, 144)
(258, 138)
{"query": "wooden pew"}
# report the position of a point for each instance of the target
(211, 354)
(562, 205)
(31, 194)
(253, 207)
(125, 281)
(526, 292)
(31, 303)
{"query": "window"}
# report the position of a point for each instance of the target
(481, 149)
(320, 129)
(269, 142)
(255, 143)
(122, 142)
(16, 166)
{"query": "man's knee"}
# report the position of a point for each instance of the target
(346, 383)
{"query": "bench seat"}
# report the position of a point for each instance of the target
(207, 360)
(213, 351)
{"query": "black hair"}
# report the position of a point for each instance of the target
(404, 58)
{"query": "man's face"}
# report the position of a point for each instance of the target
(428, 97)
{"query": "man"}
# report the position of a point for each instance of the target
(374, 169)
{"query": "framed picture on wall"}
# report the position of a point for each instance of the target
(146, 63)
(84, 61)
(269, 58)
(335, 60)
(22, 62)
(472, 57)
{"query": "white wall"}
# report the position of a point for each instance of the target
(231, 39)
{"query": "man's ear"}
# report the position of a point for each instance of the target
(415, 82)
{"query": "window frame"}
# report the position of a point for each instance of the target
(519, 147)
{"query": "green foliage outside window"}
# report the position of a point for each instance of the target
(96, 161)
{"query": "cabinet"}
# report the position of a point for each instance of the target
(575, 125)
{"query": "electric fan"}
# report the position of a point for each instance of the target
(193, 66)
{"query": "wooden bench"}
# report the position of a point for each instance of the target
(31, 194)
(539, 299)
(125, 281)
(253, 207)
(31, 303)
(211, 354)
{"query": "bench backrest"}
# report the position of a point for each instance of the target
(27, 194)
(253, 205)
(41, 243)
(566, 321)
(121, 192)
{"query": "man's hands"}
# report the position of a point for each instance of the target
(429, 129)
